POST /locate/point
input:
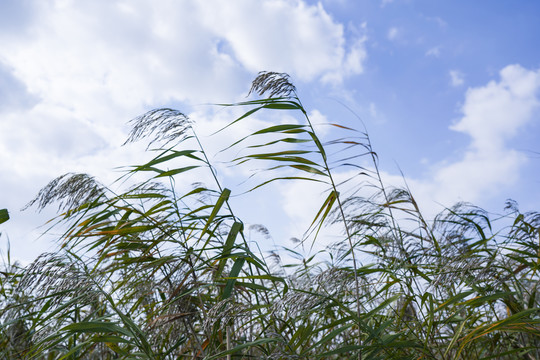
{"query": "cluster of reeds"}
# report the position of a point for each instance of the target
(158, 273)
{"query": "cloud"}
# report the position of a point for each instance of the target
(126, 57)
(72, 74)
(434, 51)
(495, 112)
(93, 66)
(439, 21)
(393, 33)
(355, 57)
(285, 36)
(456, 78)
(491, 116)
(189, 51)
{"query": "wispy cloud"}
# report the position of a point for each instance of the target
(438, 20)
(434, 51)
(393, 33)
(457, 78)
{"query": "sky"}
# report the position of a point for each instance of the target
(449, 92)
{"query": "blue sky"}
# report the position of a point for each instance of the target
(448, 90)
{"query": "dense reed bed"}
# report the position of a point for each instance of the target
(157, 273)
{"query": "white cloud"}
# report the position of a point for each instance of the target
(81, 70)
(393, 33)
(456, 78)
(355, 57)
(285, 36)
(151, 52)
(434, 51)
(492, 115)
(319, 121)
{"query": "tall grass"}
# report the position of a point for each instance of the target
(159, 271)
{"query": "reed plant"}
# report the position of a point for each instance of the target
(164, 271)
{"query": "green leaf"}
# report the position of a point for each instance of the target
(457, 334)
(282, 106)
(323, 212)
(481, 300)
(454, 299)
(237, 267)
(233, 233)
(247, 114)
(176, 171)
(4, 215)
(96, 327)
(126, 230)
(308, 169)
(286, 140)
(286, 178)
(221, 200)
(279, 128)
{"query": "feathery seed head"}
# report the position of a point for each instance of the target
(277, 84)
